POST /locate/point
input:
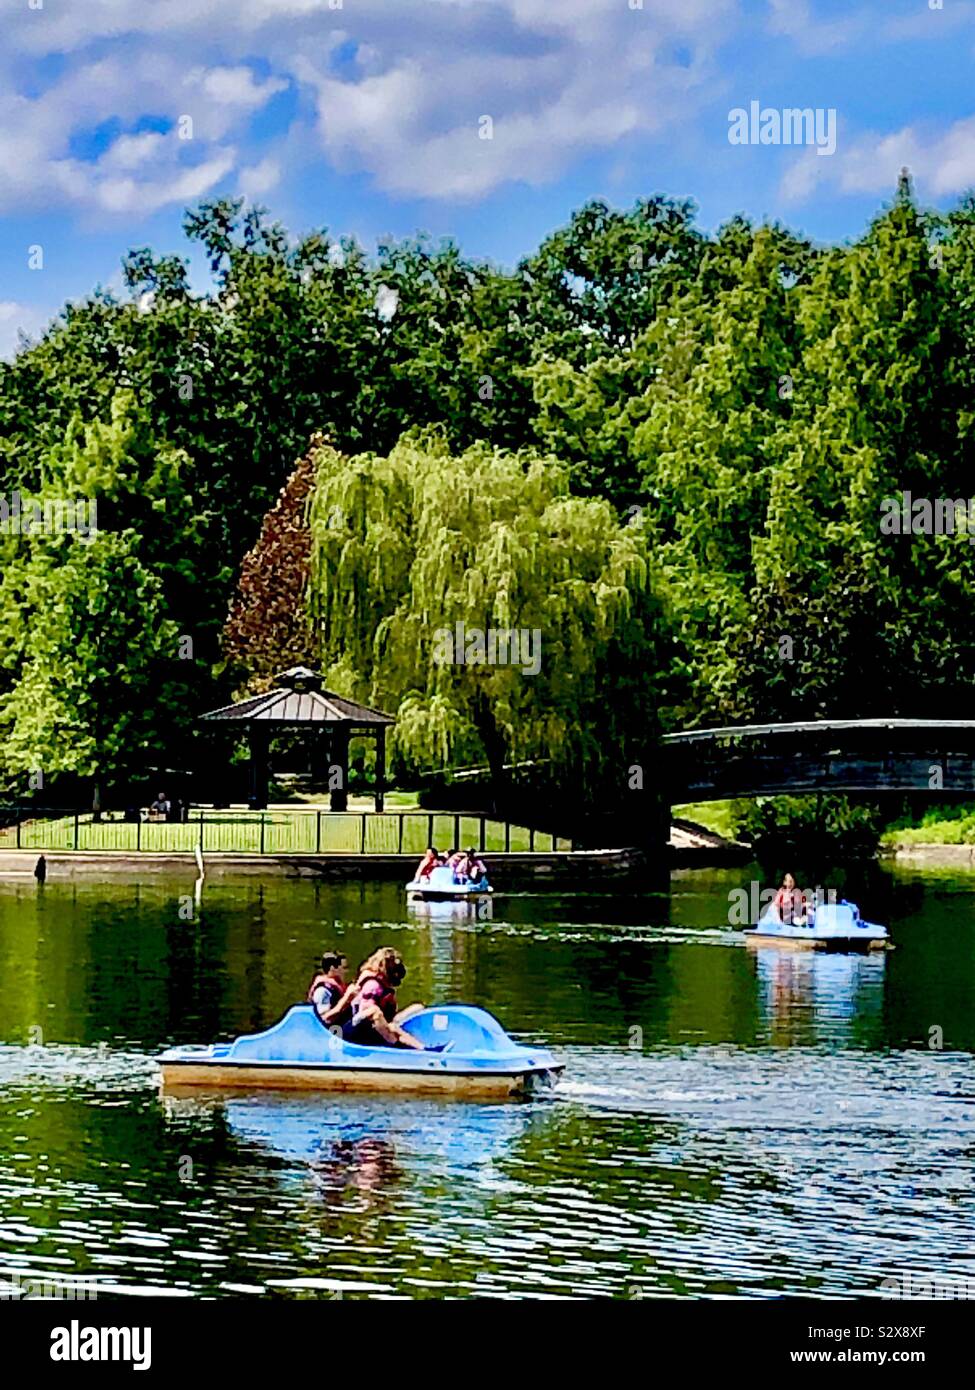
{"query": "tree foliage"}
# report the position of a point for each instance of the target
(408, 545)
(724, 413)
(268, 628)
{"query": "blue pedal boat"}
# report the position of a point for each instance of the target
(828, 927)
(477, 1059)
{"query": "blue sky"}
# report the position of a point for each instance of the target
(366, 116)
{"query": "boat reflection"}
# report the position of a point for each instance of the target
(811, 995)
(480, 910)
(369, 1144)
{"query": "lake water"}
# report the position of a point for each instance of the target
(731, 1121)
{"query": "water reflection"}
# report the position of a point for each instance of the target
(365, 1142)
(817, 996)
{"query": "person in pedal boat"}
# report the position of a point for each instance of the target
(375, 1021)
(789, 903)
(473, 871)
(328, 989)
(427, 864)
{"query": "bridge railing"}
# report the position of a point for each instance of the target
(271, 832)
(751, 775)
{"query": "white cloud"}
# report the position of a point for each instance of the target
(795, 20)
(558, 81)
(260, 178)
(561, 80)
(129, 195)
(16, 319)
(236, 86)
(941, 163)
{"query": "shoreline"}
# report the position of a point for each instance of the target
(957, 856)
(561, 868)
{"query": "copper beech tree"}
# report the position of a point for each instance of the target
(268, 628)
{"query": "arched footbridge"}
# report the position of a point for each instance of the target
(934, 757)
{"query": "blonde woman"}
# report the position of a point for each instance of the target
(375, 1021)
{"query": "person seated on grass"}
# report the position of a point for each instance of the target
(161, 807)
(427, 864)
(329, 987)
(375, 1021)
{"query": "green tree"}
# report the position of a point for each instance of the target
(407, 546)
(96, 627)
(871, 619)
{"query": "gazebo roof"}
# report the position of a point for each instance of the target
(299, 699)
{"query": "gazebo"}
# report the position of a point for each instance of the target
(299, 702)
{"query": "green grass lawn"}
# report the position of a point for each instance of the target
(275, 832)
(941, 825)
(717, 816)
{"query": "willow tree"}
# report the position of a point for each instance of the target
(424, 564)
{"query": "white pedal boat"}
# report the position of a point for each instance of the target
(829, 927)
(440, 887)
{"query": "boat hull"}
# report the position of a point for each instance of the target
(421, 891)
(860, 943)
(478, 1085)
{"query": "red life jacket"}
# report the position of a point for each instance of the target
(790, 901)
(386, 1000)
(335, 990)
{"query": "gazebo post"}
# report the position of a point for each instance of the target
(380, 768)
(258, 740)
(339, 796)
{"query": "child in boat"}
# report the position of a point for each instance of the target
(789, 903)
(427, 864)
(375, 1021)
(328, 989)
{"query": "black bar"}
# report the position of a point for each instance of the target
(76, 829)
(18, 826)
(363, 848)
(318, 832)
(507, 837)
(531, 839)
(399, 849)
(429, 830)
(262, 832)
(482, 844)
(456, 844)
